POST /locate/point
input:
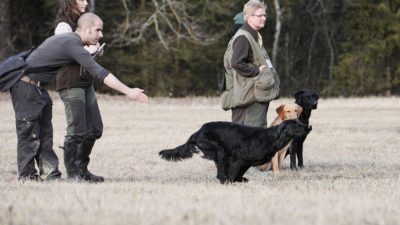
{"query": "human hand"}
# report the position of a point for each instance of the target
(100, 50)
(92, 49)
(137, 95)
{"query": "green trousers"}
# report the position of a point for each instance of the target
(252, 115)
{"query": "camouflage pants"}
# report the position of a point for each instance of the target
(33, 115)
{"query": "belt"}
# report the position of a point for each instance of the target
(30, 81)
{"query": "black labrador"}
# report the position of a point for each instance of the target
(235, 148)
(308, 100)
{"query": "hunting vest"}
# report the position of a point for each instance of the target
(241, 91)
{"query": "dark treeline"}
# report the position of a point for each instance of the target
(175, 47)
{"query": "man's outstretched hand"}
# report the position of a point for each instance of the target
(138, 95)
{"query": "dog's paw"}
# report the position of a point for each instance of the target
(242, 180)
(294, 168)
(223, 180)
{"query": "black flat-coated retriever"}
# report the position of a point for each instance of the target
(308, 100)
(235, 148)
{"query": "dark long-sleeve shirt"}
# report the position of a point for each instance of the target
(242, 55)
(60, 50)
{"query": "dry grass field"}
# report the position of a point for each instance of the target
(351, 175)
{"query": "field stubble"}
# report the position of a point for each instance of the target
(351, 173)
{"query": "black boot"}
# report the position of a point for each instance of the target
(70, 158)
(54, 175)
(83, 160)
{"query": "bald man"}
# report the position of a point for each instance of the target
(33, 105)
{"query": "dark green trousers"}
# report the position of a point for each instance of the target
(252, 115)
(82, 114)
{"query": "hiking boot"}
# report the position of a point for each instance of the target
(83, 160)
(70, 157)
(55, 175)
(30, 177)
(86, 175)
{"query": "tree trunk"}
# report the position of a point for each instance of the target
(5, 44)
(287, 56)
(142, 5)
(92, 6)
(278, 26)
(388, 92)
(310, 56)
(327, 30)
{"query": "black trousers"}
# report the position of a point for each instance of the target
(33, 115)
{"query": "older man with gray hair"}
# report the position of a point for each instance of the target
(251, 81)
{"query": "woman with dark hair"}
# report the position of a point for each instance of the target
(68, 14)
(75, 87)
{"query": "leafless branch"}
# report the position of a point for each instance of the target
(169, 21)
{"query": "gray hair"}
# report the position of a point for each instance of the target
(251, 6)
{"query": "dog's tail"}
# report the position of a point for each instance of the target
(181, 152)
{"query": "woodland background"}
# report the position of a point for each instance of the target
(175, 47)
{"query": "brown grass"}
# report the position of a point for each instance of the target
(351, 173)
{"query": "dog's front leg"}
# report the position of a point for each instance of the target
(300, 156)
(292, 152)
(281, 157)
(221, 173)
(236, 172)
(240, 177)
(275, 163)
(222, 166)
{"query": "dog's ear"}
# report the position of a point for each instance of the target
(299, 110)
(316, 96)
(280, 112)
(298, 94)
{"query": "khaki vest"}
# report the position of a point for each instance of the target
(241, 91)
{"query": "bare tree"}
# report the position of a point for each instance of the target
(278, 26)
(5, 43)
(170, 20)
(329, 35)
(92, 5)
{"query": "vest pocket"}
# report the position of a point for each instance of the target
(243, 91)
(227, 100)
(266, 88)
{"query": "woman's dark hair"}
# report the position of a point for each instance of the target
(67, 13)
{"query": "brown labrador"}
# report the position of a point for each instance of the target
(288, 111)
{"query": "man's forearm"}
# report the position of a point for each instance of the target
(112, 82)
(132, 93)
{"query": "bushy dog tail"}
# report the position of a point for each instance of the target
(181, 152)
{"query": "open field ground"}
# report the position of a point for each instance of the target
(351, 175)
